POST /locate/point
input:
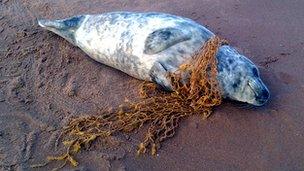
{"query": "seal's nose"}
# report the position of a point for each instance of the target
(263, 97)
(265, 94)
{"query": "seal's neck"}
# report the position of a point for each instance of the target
(227, 58)
(226, 52)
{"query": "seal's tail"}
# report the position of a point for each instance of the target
(64, 28)
(64, 24)
(49, 24)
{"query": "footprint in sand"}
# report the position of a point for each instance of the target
(17, 140)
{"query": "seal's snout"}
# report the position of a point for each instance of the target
(263, 97)
(261, 92)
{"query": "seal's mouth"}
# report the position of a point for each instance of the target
(261, 93)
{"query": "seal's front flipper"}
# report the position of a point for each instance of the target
(64, 28)
(158, 75)
(162, 39)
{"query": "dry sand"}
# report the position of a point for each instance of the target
(44, 80)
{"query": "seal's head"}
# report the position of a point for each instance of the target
(239, 78)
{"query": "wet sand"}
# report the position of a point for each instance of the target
(44, 80)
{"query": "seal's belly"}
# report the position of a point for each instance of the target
(118, 40)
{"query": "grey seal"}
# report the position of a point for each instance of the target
(149, 45)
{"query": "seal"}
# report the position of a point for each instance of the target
(149, 45)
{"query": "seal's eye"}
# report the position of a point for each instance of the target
(255, 72)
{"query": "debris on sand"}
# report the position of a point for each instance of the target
(161, 110)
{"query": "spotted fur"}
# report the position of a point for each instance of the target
(149, 45)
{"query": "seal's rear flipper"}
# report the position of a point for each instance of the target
(64, 28)
(65, 24)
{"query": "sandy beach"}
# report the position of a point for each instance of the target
(44, 81)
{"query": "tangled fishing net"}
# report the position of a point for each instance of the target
(161, 110)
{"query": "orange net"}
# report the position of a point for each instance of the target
(196, 94)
